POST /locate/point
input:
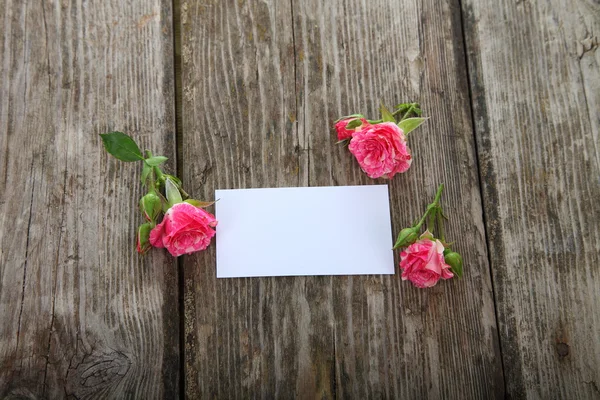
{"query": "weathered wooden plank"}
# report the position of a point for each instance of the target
(82, 314)
(267, 337)
(262, 82)
(535, 78)
(393, 340)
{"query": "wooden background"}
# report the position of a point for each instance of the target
(242, 94)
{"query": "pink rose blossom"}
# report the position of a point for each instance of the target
(423, 263)
(344, 133)
(381, 150)
(184, 229)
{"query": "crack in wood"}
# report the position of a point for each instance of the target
(55, 275)
(477, 145)
(26, 255)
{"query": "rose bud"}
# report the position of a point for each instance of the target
(407, 237)
(150, 205)
(455, 261)
(346, 127)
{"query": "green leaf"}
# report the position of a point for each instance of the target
(155, 161)
(145, 173)
(121, 146)
(410, 124)
(386, 115)
(198, 203)
(173, 194)
(355, 123)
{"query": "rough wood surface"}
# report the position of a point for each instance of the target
(261, 84)
(535, 78)
(83, 316)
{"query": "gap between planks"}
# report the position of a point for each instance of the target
(480, 181)
(176, 8)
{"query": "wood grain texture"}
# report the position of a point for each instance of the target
(261, 84)
(83, 316)
(267, 337)
(535, 79)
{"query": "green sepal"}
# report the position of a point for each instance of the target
(386, 115)
(198, 203)
(408, 109)
(143, 237)
(348, 117)
(355, 123)
(173, 194)
(431, 218)
(403, 107)
(164, 202)
(155, 161)
(121, 146)
(410, 124)
(427, 235)
(175, 179)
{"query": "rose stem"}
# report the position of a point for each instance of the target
(432, 206)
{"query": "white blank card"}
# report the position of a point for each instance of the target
(341, 230)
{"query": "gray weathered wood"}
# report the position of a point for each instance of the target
(247, 337)
(262, 83)
(83, 316)
(535, 78)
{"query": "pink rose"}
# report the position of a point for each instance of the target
(381, 150)
(423, 263)
(184, 229)
(344, 133)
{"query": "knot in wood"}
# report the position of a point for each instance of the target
(562, 349)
